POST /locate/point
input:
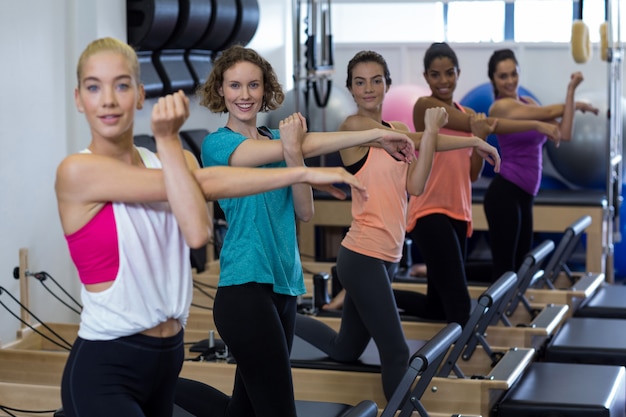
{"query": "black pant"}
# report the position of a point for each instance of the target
(509, 212)
(442, 242)
(132, 376)
(369, 311)
(257, 325)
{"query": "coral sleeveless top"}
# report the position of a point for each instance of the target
(449, 187)
(379, 224)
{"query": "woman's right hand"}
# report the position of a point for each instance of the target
(480, 125)
(551, 130)
(585, 107)
(489, 153)
(324, 178)
(397, 144)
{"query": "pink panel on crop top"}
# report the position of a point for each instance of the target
(94, 248)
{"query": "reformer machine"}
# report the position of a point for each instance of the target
(527, 330)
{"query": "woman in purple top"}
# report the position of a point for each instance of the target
(509, 198)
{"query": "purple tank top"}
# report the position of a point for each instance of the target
(522, 160)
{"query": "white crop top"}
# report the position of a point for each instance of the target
(153, 282)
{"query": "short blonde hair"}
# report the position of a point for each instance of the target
(113, 45)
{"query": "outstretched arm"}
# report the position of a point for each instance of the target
(513, 109)
(231, 182)
(350, 135)
(254, 153)
(462, 121)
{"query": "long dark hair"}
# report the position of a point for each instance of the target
(497, 57)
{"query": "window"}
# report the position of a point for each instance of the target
(402, 21)
(387, 22)
(594, 16)
(543, 20)
(473, 21)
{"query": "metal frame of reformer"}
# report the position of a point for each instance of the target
(531, 332)
(423, 367)
(473, 384)
(558, 284)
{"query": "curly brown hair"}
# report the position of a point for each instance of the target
(209, 91)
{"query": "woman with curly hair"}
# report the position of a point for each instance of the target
(260, 270)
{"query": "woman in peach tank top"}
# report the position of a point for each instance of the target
(371, 250)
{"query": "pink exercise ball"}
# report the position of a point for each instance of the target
(399, 102)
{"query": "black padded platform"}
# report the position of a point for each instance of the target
(589, 340)
(305, 355)
(609, 301)
(179, 412)
(572, 390)
(193, 399)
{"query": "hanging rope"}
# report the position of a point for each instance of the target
(8, 410)
(200, 287)
(43, 276)
(66, 345)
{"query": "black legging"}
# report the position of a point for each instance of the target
(369, 311)
(257, 325)
(442, 243)
(130, 376)
(509, 212)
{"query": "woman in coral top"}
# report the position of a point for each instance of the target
(440, 222)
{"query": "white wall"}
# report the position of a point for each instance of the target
(41, 40)
(34, 127)
(39, 125)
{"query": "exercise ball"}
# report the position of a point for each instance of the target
(480, 99)
(619, 248)
(582, 161)
(548, 182)
(399, 102)
(319, 119)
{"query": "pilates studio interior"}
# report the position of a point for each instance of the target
(546, 343)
